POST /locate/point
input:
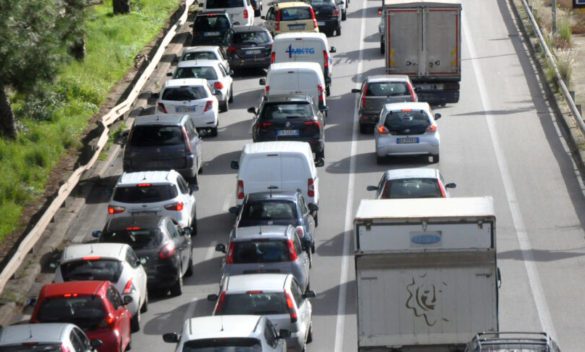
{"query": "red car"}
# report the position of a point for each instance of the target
(94, 306)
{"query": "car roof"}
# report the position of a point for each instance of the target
(276, 195)
(253, 282)
(220, 326)
(296, 65)
(180, 82)
(407, 105)
(288, 4)
(42, 333)
(387, 78)
(193, 49)
(143, 221)
(243, 233)
(423, 172)
(286, 98)
(197, 63)
(88, 287)
(301, 35)
(160, 119)
(277, 147)
(140, 177)
(242, 28)
(101, 250)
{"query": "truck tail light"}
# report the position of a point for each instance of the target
(246, 14)
(208, 105)
(115, 210)
(266, 90)
(335, 13)
(325, 59)
(382, 129)
(162, 108)
(442, 189)
(412, 93)
(265, 124)
(432, 128)
(178, 206)
(315, 24)
(167, 251)
(311, 187)
(240, 189)
(291, 308)
(230, 254)
(321, 91)
(64, 349)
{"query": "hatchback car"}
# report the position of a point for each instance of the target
(164, 142)
(115, 262)
(377, 91)
(205, 52)
(290, 16)
(242, 333)
(215, 73)
(407, 129)
(291, 118)
(48, 337)
(411, 183)
(279, 208)
(275, 296)
(328, 13)
(210, 27)
(248, 47)
(191, 96)
(266, 249)
(512, 342)
(163, 246)
(94, 306)
(154, 193)
(240, 11)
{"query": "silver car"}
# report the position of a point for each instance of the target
(407, 129)
(266, 249)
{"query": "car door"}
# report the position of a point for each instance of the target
(181, 244)
(226, 78)
(195, 143)
(121, 315)
(138, 273)
(303, 259)
(187, 197)
(304, 308)
(307, 217)
(269, 22)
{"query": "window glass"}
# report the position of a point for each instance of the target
(255, 303)
(387, 89)
(145, 194)
(285, 111)
(98, 269)
(76, 343)
(115, 298)
(156, 136)
(234, 344)
(196, 72)
(220, 4)
(295, 14)
(270, 334)
(199, 55)
(297, 242)
(37, 347)
(85, 343)
(260, 251)
(182, 185)
(407, 121)
(211, 23)
(87, 312)
(186, 93)
(131, 258)
(173, 232)
(135, 237)
(254, 38)
(303, 205)
(297, 293)
(268, 212)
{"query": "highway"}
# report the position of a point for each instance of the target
(501, 140)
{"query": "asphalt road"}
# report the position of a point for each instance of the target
(499, 140)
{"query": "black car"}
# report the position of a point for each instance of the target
(248, 47)
(290, 118)
(210, 28)
(328, 13)
(160, 243)
(279, 208)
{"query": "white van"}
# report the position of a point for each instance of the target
(304, 78)
(240, 11)
(307, 47)
(277, 166)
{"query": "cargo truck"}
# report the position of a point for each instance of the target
(422, 39)
(426, 273)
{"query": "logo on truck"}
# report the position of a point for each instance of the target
(424, 296)
(299, 51)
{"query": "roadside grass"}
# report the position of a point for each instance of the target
(51, 123)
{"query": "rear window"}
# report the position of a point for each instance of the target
(254, 38)
(137, 239)
(102, 269)
(87, 312)
(184, 93)
(414, 120)
(260, 251)
(221, 4)
(255, 303)
(149, 194)
(223, 345)
(211, 23)
(268, 212)
(387, 89)
(283, 111)
(412, 188)
(199, 55)
(196, 72)
(156, 136)
(32, 347)
(295, 13)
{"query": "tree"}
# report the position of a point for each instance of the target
(34, 41)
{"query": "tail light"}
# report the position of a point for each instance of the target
(129, 287)
(230, 254)
(272, 57)
(231, 50)
(218, 85)
(240, 189)
(246, 14)
(108, 322)
(266, 90)
(364, 96)
(178, 206)
(311, 187)
(314, 18)
(162, 108)
(312, 123)
(432, 128)
(187, 142)
(167, 251)
(220, 303)
(300, 231)
(382, 129)
(277, 22)
(265, 124)
(292, 252)
(412, 93)
(291, 308)
(208, 105)
(335, 13)
(325, 59)
(115, 210)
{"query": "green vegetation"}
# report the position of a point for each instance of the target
(52, 118)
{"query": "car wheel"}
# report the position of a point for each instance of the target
(144, 307)
(135, 322)
(313, 248)
(338, 30)
(224, 106)
(194, 224)
(310, 335)
(231, 94)
(189, 271)
(321, 154)
(310, 258)
(316, 217)
(177, 288)
(344, 15)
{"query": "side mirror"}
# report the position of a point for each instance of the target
(169, 74)
(450, 185)
(155, 95)
(96, 343)
(220, 247)
(186, 231)
(171, 337)
(283, 334)
(142, 261)
(309, 294)
(319, 163)
(252, 110)
(96, 234)
(262, 81)
(234, 210)
(332, 50)
(437, 116)
(372, 188)
(212, 297)
(379, 11)
(127, 300)
(313, 207)
(356, 90)
(235, 165)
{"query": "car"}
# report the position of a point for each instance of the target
(266, 249)
(164, 142)
(276, 296)
(210, 27)
(290, 16)
(289, 117)
(240, 11)
(95, 306)
(279, 208)
(512, 341)
(161, 244)
(412, 183)
(215, 73)
(191, 96)
(47, 337)
(245, 333)
(155, 193)
(115, 262)
(205, 52)
(407, 129)
(328, 13)
(378, 90)
(248, 47)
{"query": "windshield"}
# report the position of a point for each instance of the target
(137, 239)
(412, 188)
(223, 345)
(255, 38)
(184, 93)
(144, 194)
(196, 72)
(387, 89)
(87, 312)
(32, 347)
(260, 251)
(156, 136)
(268, 213)
(211, 23)
(255, 303)
(283, 111)
(100, 269)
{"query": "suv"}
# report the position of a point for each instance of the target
(49, 337)
(295, 16)
(276, 296)
(248, 47)
(164, 142)
(154, 193)
(328, 13)
(512, 341)
(266, 249)
(289, 117)
(246, 333)
(210, 27)
(160, 243)
(239, 11)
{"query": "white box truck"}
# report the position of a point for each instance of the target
(426, 273)
(422, 39)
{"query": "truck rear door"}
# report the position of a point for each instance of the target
(402, 44)
(441, 41)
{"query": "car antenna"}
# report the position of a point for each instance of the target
(221, 322)
(30, 336)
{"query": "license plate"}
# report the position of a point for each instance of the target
(185, 108)
(144, 212)
(296, 26)
(321, 23)
(210, 34)
(287, 133)
(407, 140)
(252, 52)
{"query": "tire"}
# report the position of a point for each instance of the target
(135, 322)
(344, 15)
(310, 335)
(189, 271)
(338, 30)
(316, 218)
(144, 307)
(177, 288)
(310, 259)
(313, 248)
(213, 132)
(194, 224)
(231, 100)
(224, 106)
(129, 345)
(321, 154)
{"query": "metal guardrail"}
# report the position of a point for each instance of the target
(552, 61)
(35, 233)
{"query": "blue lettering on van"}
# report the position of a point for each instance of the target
(299, 51)
(426, 238)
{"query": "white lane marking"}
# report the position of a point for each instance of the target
(513, 202)
(345, 256)
(191, 307)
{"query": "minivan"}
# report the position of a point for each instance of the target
(307, 47)
(240, 11)
(277, 166)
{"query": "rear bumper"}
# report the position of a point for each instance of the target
(162, 276)
(368, 119)
(437, 92)
(329, 24)
(263, 62)
(424, 147)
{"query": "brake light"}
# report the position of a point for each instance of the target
(325, 59)
(277, 23)
(300, 231)
(364, 96)
(231, 50)
(167, 251)
(218, 85)
(412, 93)
(314, 18)
(382, 129)
(133, 228)
(208, 105)
(144, 185)
(406, 110)
(108, 322)
(69, 295)
(292, 252)
(240, 189)
(312, 123)
(256, 292)
(321, 91)
(432, 128)
(178, 206)
(265, 124)
(272, 57)
(91, 258)
(311, 187)
(115, 210)
(162, 108)
(220, 302)
(291, 308)
(246, 14)
(230, 255)
(187, 142)
(129, 287)
(335, 13)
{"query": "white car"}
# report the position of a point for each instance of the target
(213, 71)
(191, 96)
(240, 11)
(205, 52)
(114, 262)
(46, 337)
(154, 192)
(276, 296)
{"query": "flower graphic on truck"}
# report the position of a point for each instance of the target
(424, 297)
